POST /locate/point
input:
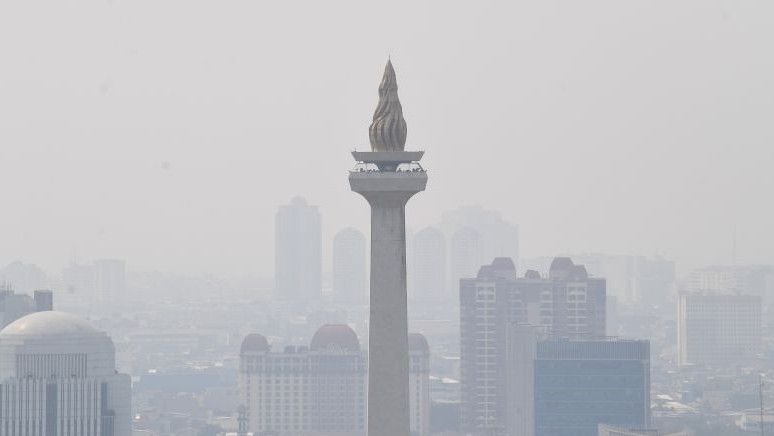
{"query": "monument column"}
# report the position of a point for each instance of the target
(387, 177)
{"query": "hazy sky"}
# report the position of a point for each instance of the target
(166, 132)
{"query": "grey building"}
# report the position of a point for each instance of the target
(297, 251)
(718, 330)
(567, 303)
(320, 389)
(581, 384)
(350, 282)
(110, 280)
(427, 277)
(477, 235)
(14, 306)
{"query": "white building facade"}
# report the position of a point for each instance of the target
(321, 389)
(58, 378)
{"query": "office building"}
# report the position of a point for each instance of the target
(110, 281)
(581, 384)
(297, 251)
(320, 389)
(521, 349)
(718, 330)
(23, 278)
(14, 306)
(58, 377)
(567, 303)
(350, 281)
(648, 282)
(427, 278)
(479, 235)
(79, 280)
(466, 254)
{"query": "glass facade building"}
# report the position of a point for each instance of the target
(581, 384)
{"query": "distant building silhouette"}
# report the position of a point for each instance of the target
(80, 280)
(297, 251)
(568, 303)
(60, 374)
(466, 254)
(427, 274)
(14, 306)
(23, 278)
(492, 237)
(350, 275)
(110, 280)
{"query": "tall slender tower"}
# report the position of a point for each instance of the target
(387, 177)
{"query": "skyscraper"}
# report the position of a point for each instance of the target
(493, 236)
(428, 267)
(14, 306)
(297, 251)
(466, 254)
(717, 330)
(581, 384)
(110, 280)
(59, 374)
(568, 303)
(349, 267)
(388, 177)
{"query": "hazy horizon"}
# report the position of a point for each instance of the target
(167, 133)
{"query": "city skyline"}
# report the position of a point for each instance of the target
(199, 238)
(168, 151)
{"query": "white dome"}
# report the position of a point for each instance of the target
(53, 336)
(50, 324)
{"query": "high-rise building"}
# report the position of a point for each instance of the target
(320, 389)
(23, 278)
(737, 279)
(297, 251)
(350, 283)
(491, 236)
(466, 254)
(645, 281)
(522, 342)
(568, 303)
(388, 176)
(427, 279)
(14, 306)
(110, 280)
(717, 330)
(581, 384)
(80, 280)
(58, 376)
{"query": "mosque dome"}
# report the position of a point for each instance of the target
(254, 343)
(335, 337)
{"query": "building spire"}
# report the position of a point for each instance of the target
(388, 129)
